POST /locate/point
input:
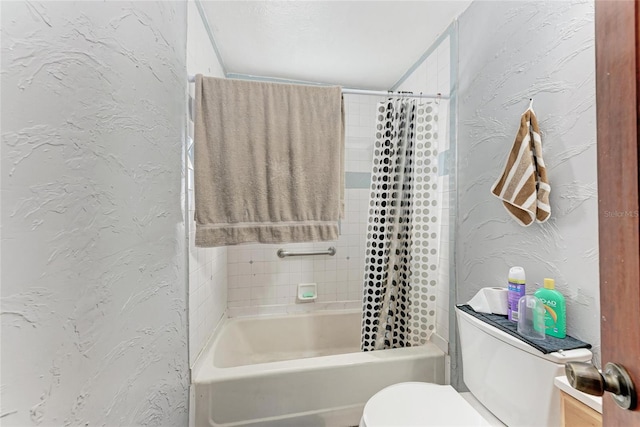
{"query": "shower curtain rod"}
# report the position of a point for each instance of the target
(400, 94)
(192, 79)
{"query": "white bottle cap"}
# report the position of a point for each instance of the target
(516, 275)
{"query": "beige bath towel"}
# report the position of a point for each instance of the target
(523, 186)
(268, 162)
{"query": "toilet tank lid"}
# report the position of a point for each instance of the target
(560, 357)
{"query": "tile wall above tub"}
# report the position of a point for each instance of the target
(207, 266)
(261, 283)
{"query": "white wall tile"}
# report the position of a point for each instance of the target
(273, 280)
(207, 266)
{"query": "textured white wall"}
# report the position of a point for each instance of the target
(509, 52)
(93, 296)
(207, 266)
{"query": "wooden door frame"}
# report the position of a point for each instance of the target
(617, 98)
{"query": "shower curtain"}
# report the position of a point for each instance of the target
(401, 264)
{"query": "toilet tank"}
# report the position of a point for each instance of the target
(509, 377)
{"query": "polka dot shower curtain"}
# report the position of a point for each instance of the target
(401, 264)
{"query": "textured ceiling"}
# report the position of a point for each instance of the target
(357, 44)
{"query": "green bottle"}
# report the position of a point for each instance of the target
(555, 309)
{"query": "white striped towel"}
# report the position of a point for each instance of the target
(523, 186)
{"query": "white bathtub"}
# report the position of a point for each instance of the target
(299, 370)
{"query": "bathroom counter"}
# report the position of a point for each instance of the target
(594, 402)
(578, 409)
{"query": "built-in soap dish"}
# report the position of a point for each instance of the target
(307, 292)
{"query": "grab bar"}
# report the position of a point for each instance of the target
(282, 253)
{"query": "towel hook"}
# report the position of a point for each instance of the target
(530, 103)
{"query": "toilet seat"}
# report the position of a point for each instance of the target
(419, 404)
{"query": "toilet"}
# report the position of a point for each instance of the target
(512, 381)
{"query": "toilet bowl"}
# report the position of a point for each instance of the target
(419, 404)
(510, 380)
